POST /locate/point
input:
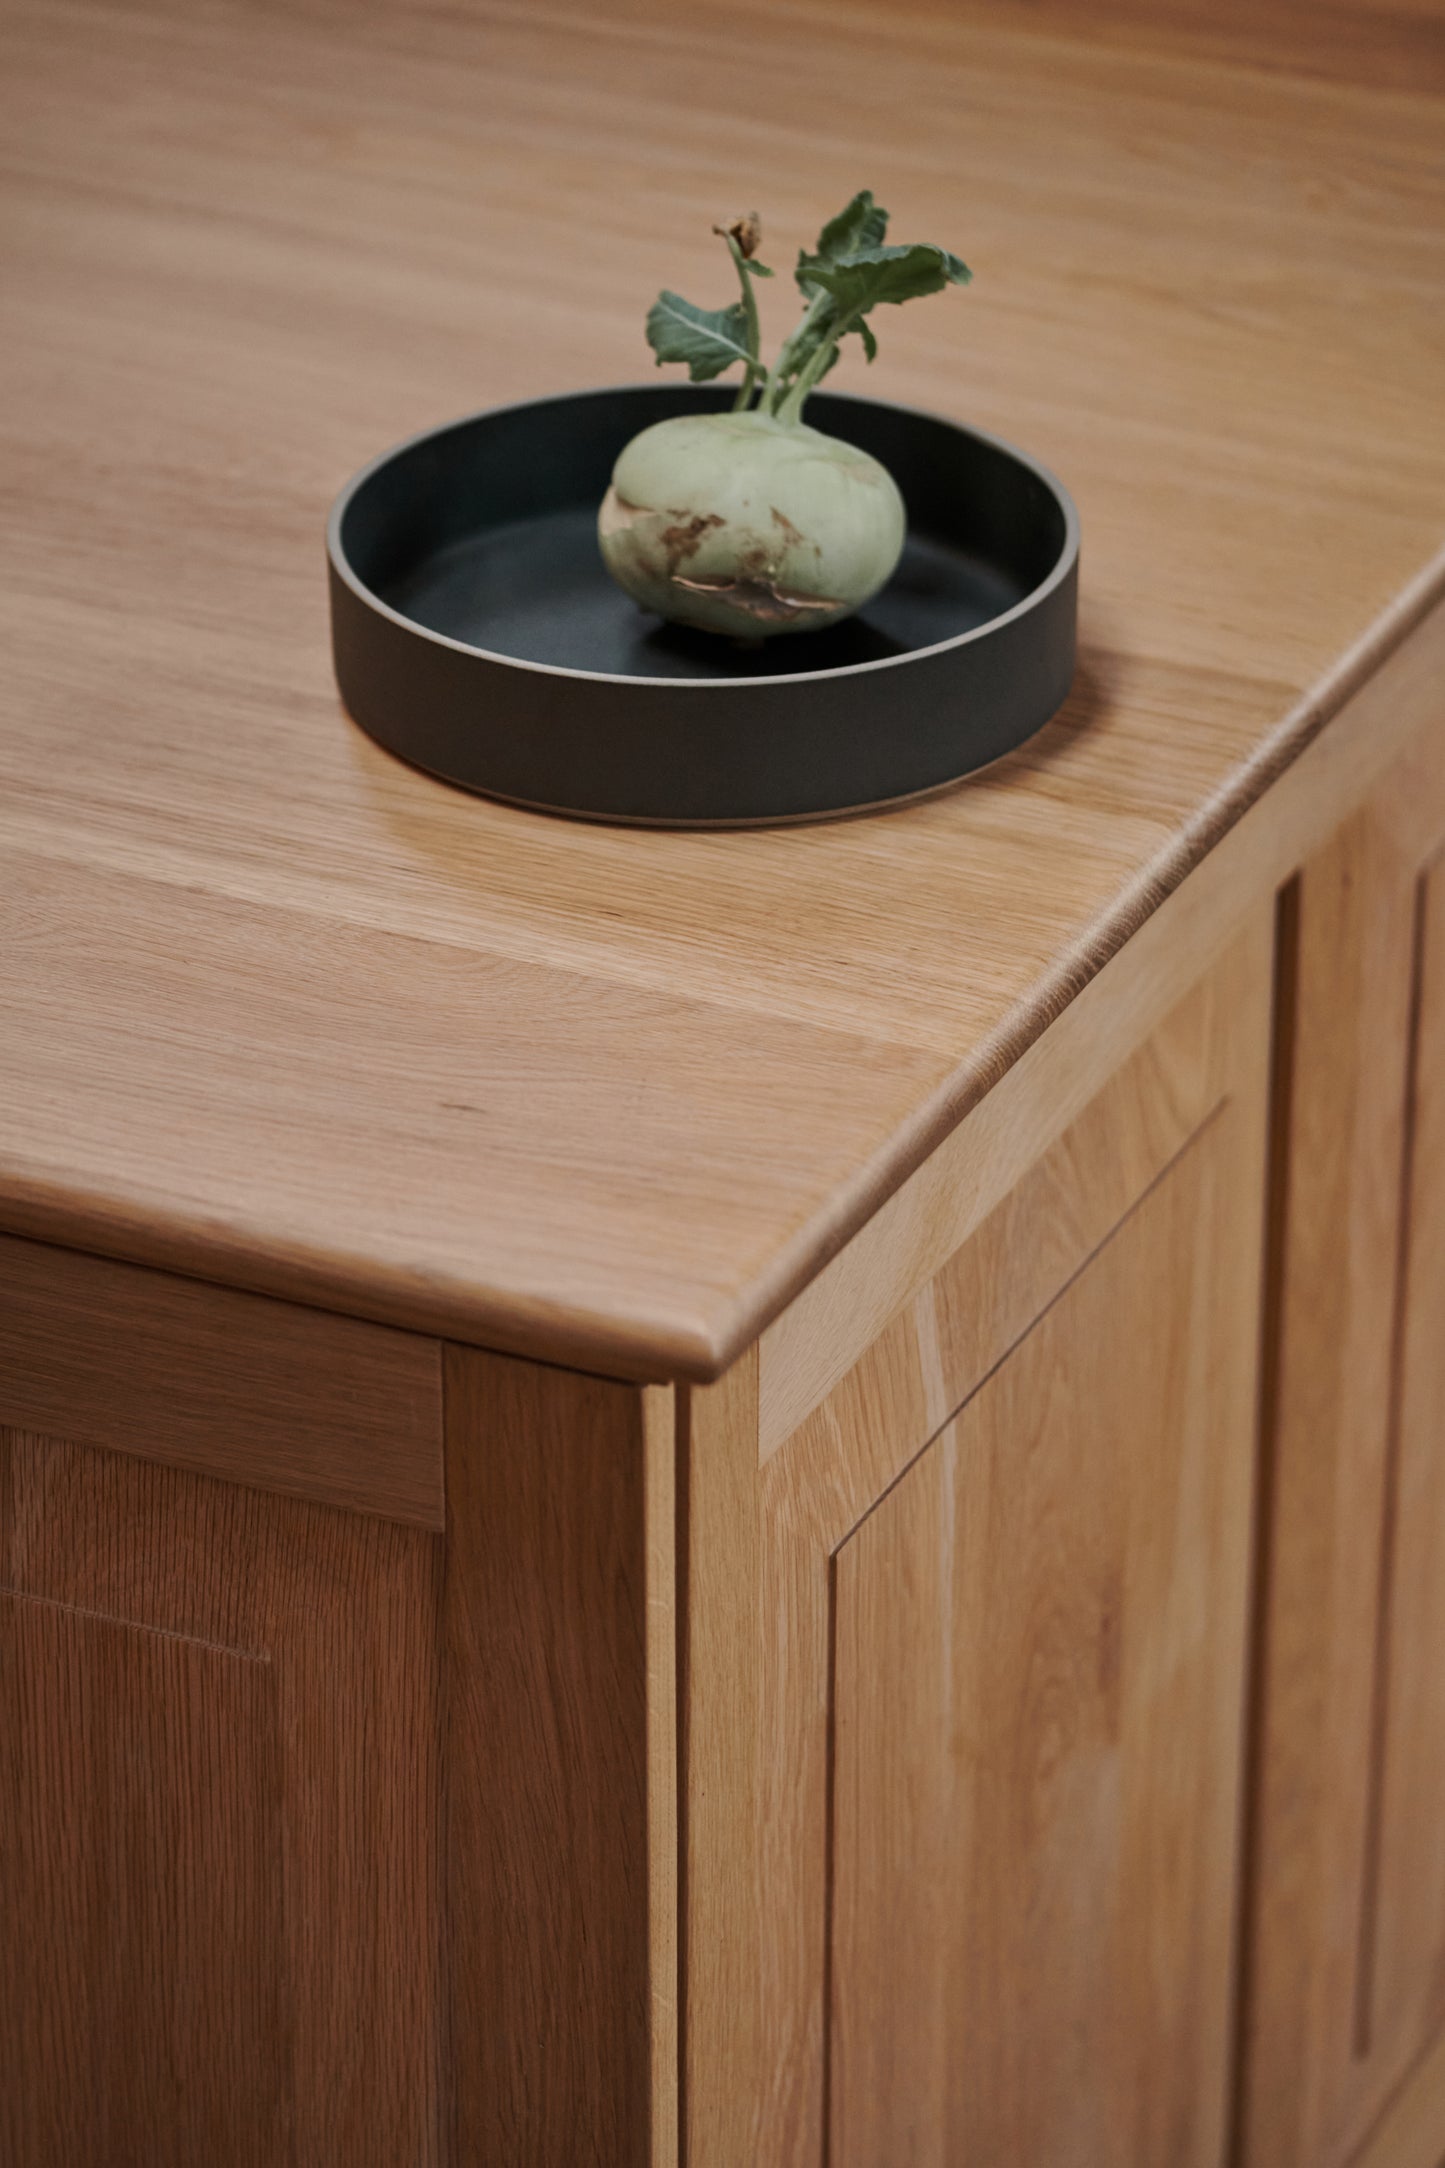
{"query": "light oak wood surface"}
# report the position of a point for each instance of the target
(230, 1385)
(784, 1888)
(1405, 1953)
(1038, 1658)
(279, 1011)
(722, 1768)
(1346, 1949)
(822, 1331)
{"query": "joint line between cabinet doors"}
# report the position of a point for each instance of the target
(830, 1856)
(1365, 1956)
(1175, 1158)
(1275, 1235)
(682, 1452)
(444, 2045)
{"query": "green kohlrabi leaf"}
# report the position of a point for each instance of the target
(870, 344)
(708, 340)
(860, 224)
(871, 276)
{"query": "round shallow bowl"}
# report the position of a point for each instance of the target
(477, 633)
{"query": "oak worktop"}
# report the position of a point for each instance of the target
(280, 1012)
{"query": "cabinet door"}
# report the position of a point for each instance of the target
(961, 1864)
(217, 1822)
(328, 1838)
(1345, 2003)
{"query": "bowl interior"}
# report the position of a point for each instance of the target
(486, 532)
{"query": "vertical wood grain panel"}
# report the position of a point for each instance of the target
(1327, 1455)
(659, 1427)
(545, 1760)
(1039, 1661)
(861, 1439)
(338, 1612)
(1345, 1958)
(142, 2005)
(767, 1552)
(722, 1929)
(1407, 1969)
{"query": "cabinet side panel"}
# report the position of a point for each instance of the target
(1039, 1642)
(1405, 1956)
(767, 1550)
(1345, 1971)
(1339, 1188)
(545, 1765)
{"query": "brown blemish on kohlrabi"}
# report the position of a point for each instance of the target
(762, 599)
(684, 538)
(681, 540)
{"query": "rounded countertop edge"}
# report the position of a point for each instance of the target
(645, 1350)
(649, 1347)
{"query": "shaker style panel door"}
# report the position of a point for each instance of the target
(1038, 1662)
(217, 1805)
(965, 1664)
(1345, 1992)
(1403, 1992)
(329, 1842)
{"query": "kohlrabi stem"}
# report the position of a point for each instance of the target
(776, 387)
(753, 368)
(790, 408)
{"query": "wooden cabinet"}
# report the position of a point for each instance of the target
(1346, 1982)
(999, 1720)
(966, 1668)
(769, 1499)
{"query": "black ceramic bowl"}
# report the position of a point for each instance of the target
(477, 633)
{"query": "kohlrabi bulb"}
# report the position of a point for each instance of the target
(743, 524)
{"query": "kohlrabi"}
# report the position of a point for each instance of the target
(749, 522)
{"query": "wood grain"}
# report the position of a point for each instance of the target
(844, 1324)
(547, 1752)
(1039, 1645)
(762, 1598)
(660, 1450)
(283, 1013)
(142, 1918)
(723, 1770)
(221, 1800)
(1407, 2134)
(811, 1344)
(1346, 1906)
(227, 1384)
(1405, 1955)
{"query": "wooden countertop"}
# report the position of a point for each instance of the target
(281, 1012)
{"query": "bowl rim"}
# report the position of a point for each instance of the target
(1061, 570)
